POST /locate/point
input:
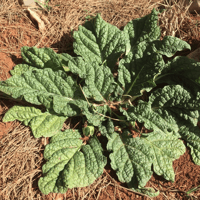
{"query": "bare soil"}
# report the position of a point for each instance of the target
(21, 155)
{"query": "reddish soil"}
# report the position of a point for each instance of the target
(187, 173)
(5, 128)
(6, 64)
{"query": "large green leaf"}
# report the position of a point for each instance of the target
(99, 41)
(99, 83)
(182, 66)
(139, 68)
(99, 79)
(42, 124)
(181, 70)
(140, 64)
(142, 29)
(67, 166)
(143, 61)
(166, 148)
(143, 112)
(132, 158)
(41, 86)
(168, 108)
(21, 113)
(170, 45)
(177, 102)
(183, 105)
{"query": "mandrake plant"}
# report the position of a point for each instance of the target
(117, 83)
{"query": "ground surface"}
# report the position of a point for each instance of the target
(21, 155)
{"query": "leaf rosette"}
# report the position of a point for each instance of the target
(117, 82)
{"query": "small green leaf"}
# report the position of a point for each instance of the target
(107, 128)
(34, 56)
(99, 83)
(88, 131)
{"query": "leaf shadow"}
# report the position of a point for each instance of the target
(65, 45)
(16, 60)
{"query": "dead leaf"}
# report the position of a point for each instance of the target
(35, 16)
